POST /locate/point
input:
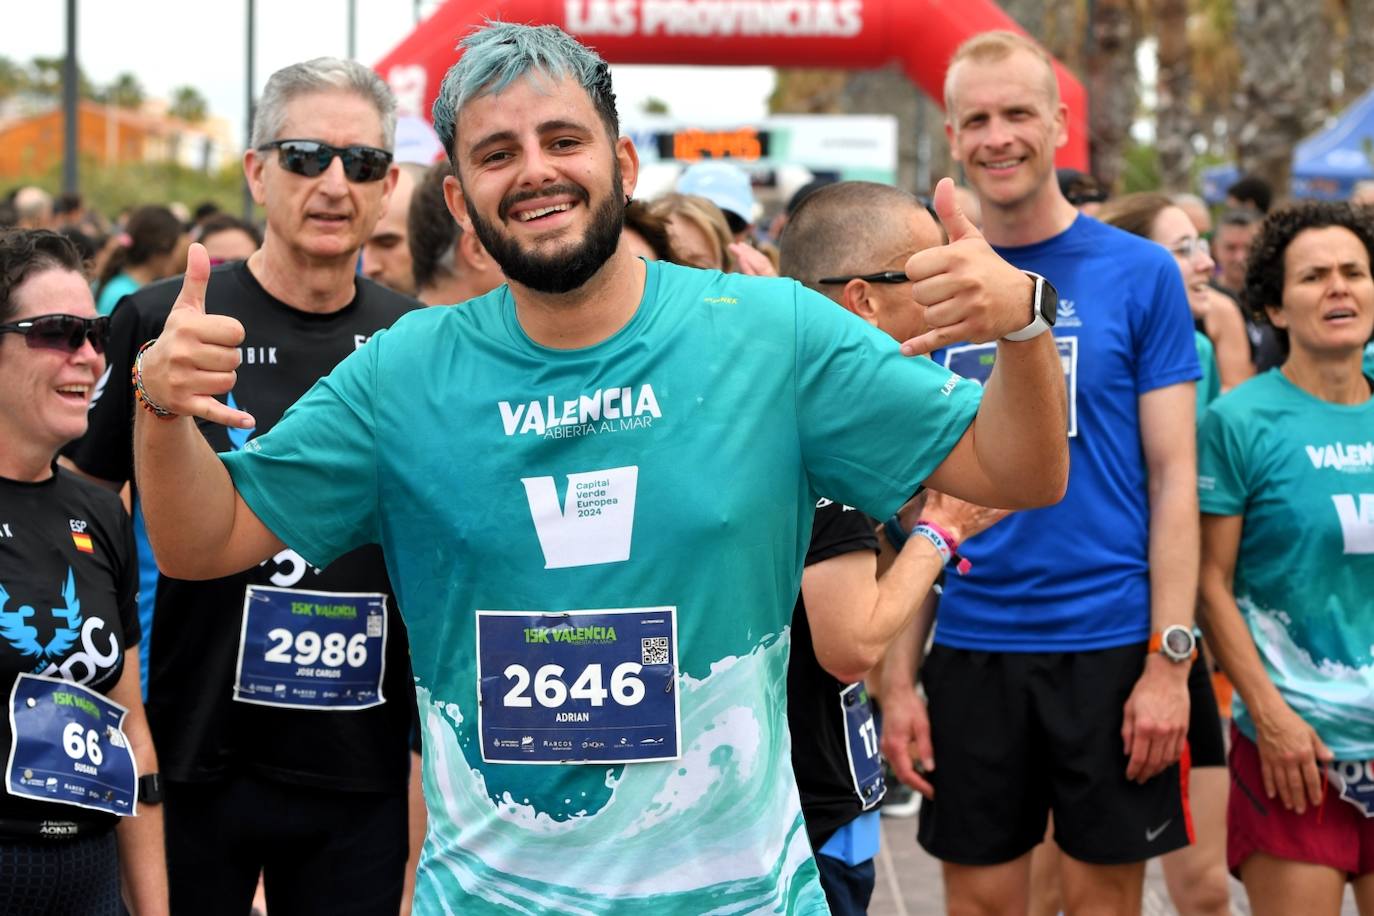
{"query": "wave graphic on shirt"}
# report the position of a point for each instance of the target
(238, 437)
(1335, 698)
(695, 835)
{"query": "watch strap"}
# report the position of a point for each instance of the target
(150, 789)
(1039, 323)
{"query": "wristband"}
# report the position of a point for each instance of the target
(944, 542)
(141, 393)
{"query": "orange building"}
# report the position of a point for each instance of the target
(108, 135)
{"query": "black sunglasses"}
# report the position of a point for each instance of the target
(884, 276)
(62, 332)
(311, 157)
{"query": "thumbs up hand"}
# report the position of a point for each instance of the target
(196, 355)
(969, 292)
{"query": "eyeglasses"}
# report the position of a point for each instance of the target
(884, 276)
(62, 332)
(311, 157)
(1191, 248)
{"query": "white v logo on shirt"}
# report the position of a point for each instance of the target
(594, 525)
(1357, 523)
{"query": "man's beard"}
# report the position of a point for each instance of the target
(565, 269)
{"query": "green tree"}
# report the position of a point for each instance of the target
(189, 105)
(125, 92)
(45, 75)
(13, 79)
(110, 188)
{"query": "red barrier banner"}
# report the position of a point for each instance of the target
(921, 35)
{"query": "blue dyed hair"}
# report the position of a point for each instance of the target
(498, 53)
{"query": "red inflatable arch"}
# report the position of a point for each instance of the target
(856, 34)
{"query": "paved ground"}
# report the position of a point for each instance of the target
(909, 880)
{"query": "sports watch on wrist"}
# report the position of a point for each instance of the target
(150, 789)
(1176, 643)
(1044, 309)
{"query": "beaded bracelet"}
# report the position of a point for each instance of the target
(141, 393)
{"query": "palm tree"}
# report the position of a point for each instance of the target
(1175, 123)
(1113, 84)
(125, 92)
(188, 104)
(1285, 83)
(1358, 63)
(13, 79)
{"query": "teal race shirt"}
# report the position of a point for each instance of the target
(1301, 472)
(1208, 387)
(666, 480)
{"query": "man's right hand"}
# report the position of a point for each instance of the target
(906, 738)
(196, 355)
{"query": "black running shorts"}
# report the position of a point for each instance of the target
(1020, 735)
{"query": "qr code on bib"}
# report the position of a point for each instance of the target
(653, 650)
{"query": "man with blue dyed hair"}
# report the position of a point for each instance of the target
(598, 598)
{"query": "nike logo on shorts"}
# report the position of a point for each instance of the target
(1152, 835)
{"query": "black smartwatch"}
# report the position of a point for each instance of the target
(1044, 309)
(150, 789)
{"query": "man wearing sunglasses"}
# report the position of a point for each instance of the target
(282, 695)
(850, 241)
(595, 485)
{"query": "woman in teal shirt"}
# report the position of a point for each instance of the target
(152, 246)
(1286, 487)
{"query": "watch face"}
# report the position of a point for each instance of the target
(1178, 642)
(1049, 302)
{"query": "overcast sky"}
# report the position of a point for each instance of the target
(169, 43)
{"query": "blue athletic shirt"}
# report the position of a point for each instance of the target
(1300, 471)
(695, 441)
(1075, 576)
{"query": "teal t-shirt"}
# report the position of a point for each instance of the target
(672, 468)
(1301, 472)
(120, 285)
(1209, 386)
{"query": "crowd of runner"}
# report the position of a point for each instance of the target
(673, 545)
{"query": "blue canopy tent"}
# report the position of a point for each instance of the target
(1326, 165)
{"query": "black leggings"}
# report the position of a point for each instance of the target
(77, 877)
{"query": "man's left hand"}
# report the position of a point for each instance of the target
(969, 292)
(1155, 724)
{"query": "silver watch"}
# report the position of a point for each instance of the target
(1177, 644)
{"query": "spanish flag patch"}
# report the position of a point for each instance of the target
(83, 542)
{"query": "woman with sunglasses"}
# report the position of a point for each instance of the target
(1286, 487)
(80, 832)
